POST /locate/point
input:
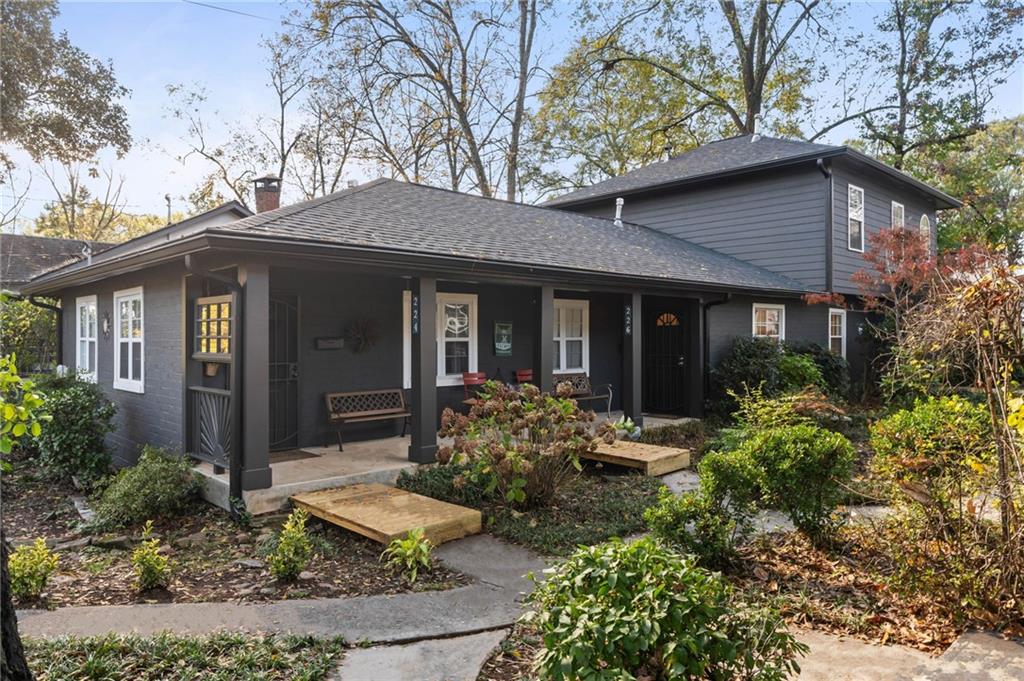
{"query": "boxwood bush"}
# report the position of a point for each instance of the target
(72, 446)
(159, 485)
(640, 610)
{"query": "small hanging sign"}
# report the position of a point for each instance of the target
(415, 314)
(503, 339)
(628, 319)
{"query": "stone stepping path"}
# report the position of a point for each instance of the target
(446, 659)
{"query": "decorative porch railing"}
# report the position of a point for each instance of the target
(211, 425)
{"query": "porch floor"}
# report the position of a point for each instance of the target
(384, 513)
(370, 461)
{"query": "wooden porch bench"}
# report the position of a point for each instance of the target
(583, 391)
(366, 405)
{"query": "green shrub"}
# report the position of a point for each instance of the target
(803, 472)
(152, 570)
(937, 454)
(521, 444)
(625, 611)
(834, 369)
(451, 483)
(409, 555)
(30, 567)
(293, 548)
(73, 444)
(692, 523)
(750, 363)
(158, 486)
(797, 372)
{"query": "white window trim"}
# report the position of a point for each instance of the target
(79, 304)
(125, 383)
(892, 215)
(768, 306)
(849, 217)
(842, 313)
(471, 299)
(569, 304)
(407, 339)
(925, 220)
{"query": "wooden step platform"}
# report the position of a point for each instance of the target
(651, 459)
(385, 513)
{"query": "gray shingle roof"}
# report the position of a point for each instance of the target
(400, 217)
(23, 257)
(734, 153)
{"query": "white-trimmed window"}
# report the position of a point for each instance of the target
(85, 335)
(572, 336)
(897, 215)
(837, 331)
(456, 336)
(855, 219)
(925, 226)
(769, 321)
(129, 341)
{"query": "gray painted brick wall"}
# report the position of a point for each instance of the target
(154, 417)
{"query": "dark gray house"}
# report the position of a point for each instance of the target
(223, 339)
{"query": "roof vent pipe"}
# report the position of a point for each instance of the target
(87, 252)
(619, 202)
(756, 134)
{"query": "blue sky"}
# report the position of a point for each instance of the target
(153, 44)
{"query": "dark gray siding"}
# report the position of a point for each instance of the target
(154, 417)
(726, 323)
(775, 220)
(879, 193)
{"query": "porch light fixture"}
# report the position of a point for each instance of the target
(106, 324)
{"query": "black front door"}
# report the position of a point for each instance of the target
(665, 341)
(284, 371)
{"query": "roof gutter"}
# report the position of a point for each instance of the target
(830, 208)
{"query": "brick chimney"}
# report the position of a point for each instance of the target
(268, 193)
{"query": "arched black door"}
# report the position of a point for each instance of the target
(665, 341)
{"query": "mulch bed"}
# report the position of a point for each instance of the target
(842, 591)
(204, 547)
(33, 505)
(512, 660)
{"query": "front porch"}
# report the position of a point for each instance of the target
(310, 329)
(315, 468)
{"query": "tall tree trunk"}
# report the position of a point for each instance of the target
(13, 666)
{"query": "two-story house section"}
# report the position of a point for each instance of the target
(804, 210)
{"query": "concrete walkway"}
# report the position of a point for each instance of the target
(491, 602)
(447, 659)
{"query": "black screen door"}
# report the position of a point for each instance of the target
(664, 360)
(284, 371)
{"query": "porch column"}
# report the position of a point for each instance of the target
(545, 360)
(423, 439)
(695, 360)
(632, 358)
(255, 281)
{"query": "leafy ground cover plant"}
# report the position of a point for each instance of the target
(640, 610)
(21, 406)
(522, 445)
(74, 447)
(30, 568)
(409, 555)
(152, 570)
(218, 657)
(293, 548)
(159, 485)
